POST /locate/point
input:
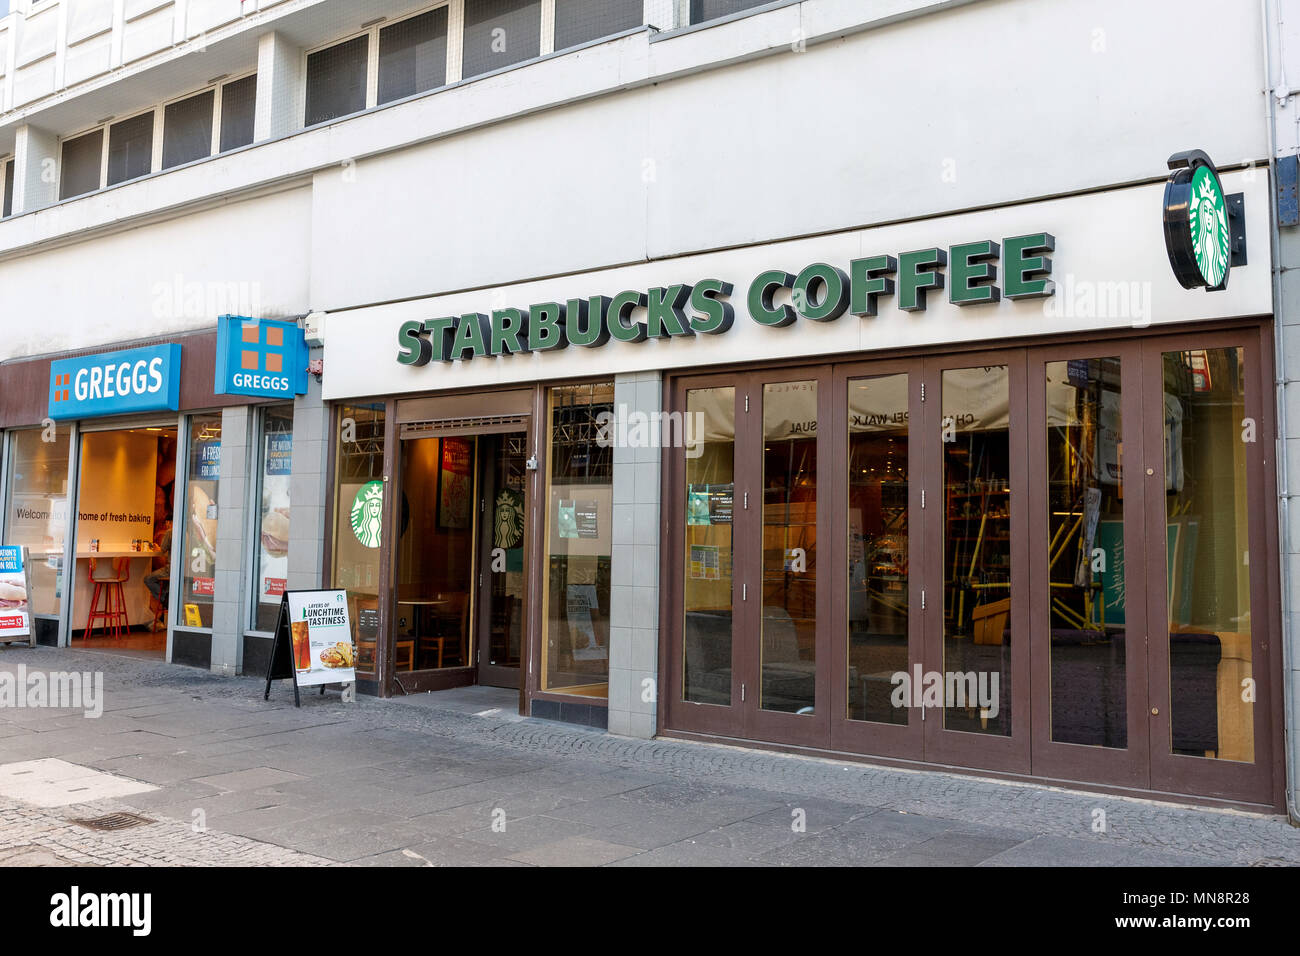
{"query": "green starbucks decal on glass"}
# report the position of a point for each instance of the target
(1198, 229)
(367, 513)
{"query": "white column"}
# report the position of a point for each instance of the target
(36, 157)
(280, 88)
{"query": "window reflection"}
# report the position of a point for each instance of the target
(1085, 557)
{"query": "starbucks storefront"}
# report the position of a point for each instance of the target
(990, 492)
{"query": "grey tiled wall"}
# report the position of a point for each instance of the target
(308, 496)
(634, 587)
(233, 553)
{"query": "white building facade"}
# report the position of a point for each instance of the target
(804, 374)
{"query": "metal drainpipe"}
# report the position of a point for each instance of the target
(1279, 360)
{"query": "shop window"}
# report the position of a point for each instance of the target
(710, 549)
(1208, 555)
(275, 449)
(199, 558)
(499, 33)
(578, 536)
(336, 81)
(789, 646)
(81, 165)
(878, 545)
(358, 522)
(413, 56)
(579, 21)
(1085, 587)
(8, 190)
(977, 630)
(187, 129)
(238, 111)
(130, 149)
(705, 10)
(37, 516)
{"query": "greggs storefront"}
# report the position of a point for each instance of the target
(990, 491)
(132, 480)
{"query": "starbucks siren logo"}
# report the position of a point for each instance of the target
(1208, 220)
(1200, 222)
(367, 512)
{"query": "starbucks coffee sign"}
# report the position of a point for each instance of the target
(1197, 230)
(979, 273)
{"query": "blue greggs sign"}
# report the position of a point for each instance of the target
(116, 383)
(265, 358)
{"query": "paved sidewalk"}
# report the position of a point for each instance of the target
(459, 779)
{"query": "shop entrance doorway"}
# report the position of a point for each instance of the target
(121, 567)
(459, 577)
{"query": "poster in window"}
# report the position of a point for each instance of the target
(580, 604)
(697, 507)
(15, 584)
(455, 485)
(586, 516)
(566, 518)
(276, 470)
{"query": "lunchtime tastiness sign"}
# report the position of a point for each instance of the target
(973, 273)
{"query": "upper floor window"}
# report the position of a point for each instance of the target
(499, 33)
(702, 10)
(130, 148)
(336, 80)
(8, 189)
(413, 56)
(238, 106)
(81, 165)
(187, 129)
(580, 21)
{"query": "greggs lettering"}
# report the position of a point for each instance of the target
(118, 381)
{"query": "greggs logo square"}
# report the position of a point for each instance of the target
(260, 357)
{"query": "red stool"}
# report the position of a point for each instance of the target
(113, 615)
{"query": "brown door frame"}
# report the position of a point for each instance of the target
(861, 736)
(962, 748)
(1128, 767)
(1228, 779)
(721, 719)
(809, 730)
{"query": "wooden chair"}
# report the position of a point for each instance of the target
(113, 614)
(160, 604)
(453, 617)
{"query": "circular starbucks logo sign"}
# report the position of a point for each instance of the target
(367, 513)
(1198, 230)
(1208, 221)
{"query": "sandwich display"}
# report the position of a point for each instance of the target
(337, 655)
(13, 594)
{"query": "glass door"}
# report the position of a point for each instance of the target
(785, 593)
(1211, 695)
(503, 542)
(1088, 584)
(975, 693)
(436, 562)
(703, 679)
(876, 620)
